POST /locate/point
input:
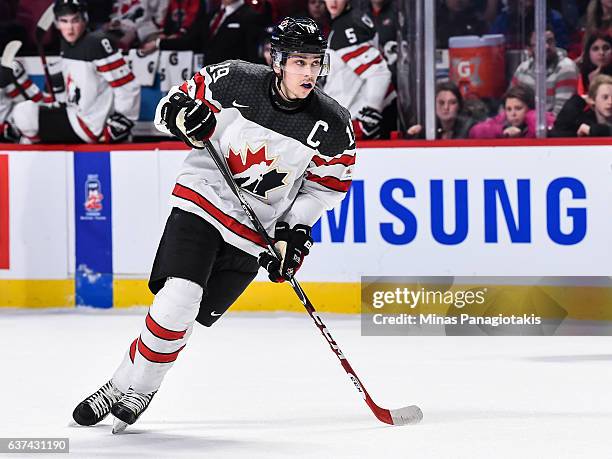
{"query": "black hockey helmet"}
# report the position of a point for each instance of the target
(298, 35)
(64, 7)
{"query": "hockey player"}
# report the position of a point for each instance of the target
(102, 96)
(15, 87)
(291, 149)
(359, 79)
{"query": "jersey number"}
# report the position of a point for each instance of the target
(350, 35)
(350, 134)
(106, 45)
(218, 71)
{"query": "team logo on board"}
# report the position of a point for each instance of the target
(93, 195)
(255, 170)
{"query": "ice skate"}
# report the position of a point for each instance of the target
(97, 406)
(129, 408)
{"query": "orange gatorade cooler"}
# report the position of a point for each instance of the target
(478, 65)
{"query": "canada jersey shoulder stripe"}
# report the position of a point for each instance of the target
(233, 225)
(358, 52)
(112, 66)
(121, 81)
(345, 160)
(330, 182)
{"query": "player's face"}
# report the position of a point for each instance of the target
(300, 75)
(600, 53)
(603, 102)
(71, 26)
(515, 110)
(447, 106)
(335, 7)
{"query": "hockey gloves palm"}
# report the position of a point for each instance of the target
(293, 244)
(367, 123)
(117, 129)
(190, 120)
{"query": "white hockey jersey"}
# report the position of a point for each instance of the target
(98, 82)
(143, 16)
(359, 76)
(292, 165)
(20, 89)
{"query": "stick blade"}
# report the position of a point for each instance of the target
(407, 415)
(119, 426)
(45, 20)
(9, 53)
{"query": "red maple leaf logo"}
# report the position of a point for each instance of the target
(239, 163)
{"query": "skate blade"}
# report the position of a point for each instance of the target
(119, 426)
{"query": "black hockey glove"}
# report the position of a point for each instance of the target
(369, 120)
(6, 76)
(190, 120)
(117, 129)
(293, 244)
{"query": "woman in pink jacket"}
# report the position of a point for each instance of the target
(517, 119)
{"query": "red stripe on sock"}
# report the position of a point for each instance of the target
(162, 332)
(133, 350)
(157, 357)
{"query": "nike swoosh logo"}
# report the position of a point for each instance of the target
(237, 105)
(215, 314)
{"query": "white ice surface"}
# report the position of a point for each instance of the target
(269, 387)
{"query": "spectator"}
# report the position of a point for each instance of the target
(135, 21)
(359, 78)
(455, 18)
(451, 122)
(598, 18)
(597, 60)
(516, 22)
(590, 116)
(517, 119)
(184, 28)
(234, 32)
(561, 73)
(102, 97)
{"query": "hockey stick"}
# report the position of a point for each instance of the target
(8, 57)
(9, 53)
(42, 26)
(406, 415)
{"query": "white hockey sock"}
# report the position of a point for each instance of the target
(167, 328)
